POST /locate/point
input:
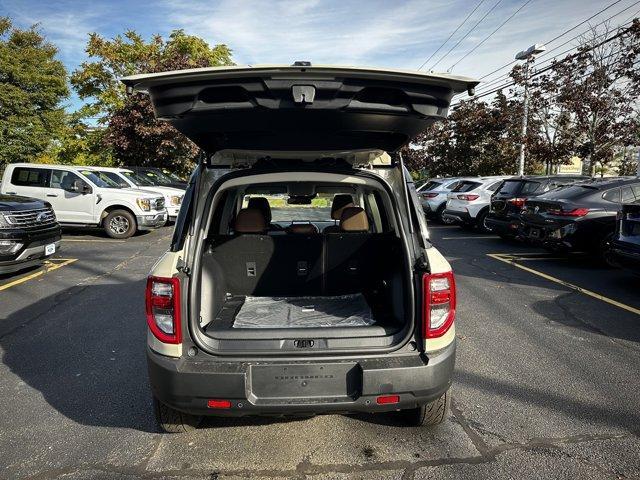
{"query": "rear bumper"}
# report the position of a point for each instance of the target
(458, 216)
(149, 222)
(506, 225)
(626, 256)
(187, 385)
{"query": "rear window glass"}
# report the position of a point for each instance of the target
(429, 186)
(570, 191)
(282, 210)
(466, 186)
(510, 187)
(29, 177)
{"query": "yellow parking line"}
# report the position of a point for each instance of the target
(48, 267)
(509, 258)
(91, 240)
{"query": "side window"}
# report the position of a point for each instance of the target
(636, 191)
(29, 177)
(494, 186)
(64, 180)
(453, 185)
(612, 195)
(374, 212)
(627, 194)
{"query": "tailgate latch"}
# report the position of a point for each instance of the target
(303, 93)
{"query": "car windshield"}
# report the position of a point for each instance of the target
(116, 178)
(156, 177)
(172, 176)
(138, 180)
(99, 179)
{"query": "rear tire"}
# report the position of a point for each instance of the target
(431, 414)
(441, 218)
(481, 222)
(120, 224)
(171, 420)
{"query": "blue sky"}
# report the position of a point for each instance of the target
(400, 34)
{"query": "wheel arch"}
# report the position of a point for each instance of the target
(116, 206)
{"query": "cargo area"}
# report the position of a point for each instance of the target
(337, 273)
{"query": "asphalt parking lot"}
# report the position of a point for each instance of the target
(547, 382)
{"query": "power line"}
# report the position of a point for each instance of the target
(503, 77)
(452, 34)
(566, 59)
(467, 34)
(561, 35)
(490, 35)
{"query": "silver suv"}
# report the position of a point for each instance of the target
(300, 278)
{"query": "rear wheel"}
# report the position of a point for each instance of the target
(481, 222)
(431, 414)
(604, 251)
(171, 420)
(441, 218)
(120, 224)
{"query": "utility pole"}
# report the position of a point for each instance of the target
(528, 56)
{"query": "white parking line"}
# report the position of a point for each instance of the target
(476, 237)
(92, 240)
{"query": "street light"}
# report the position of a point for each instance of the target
(526, 55)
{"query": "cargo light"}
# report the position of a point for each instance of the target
(439, 299)
(576, 212)
(163, 308)
(387, 399)
(468, 198)
(219, 404)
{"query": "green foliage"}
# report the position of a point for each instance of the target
(133, 135)
(32, 87)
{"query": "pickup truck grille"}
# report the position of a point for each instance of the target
(159, 203)
(30, 218)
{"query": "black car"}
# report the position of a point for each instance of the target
(580, 216)
(507, 202)
(625, 247)
(160, 177)
(29, 232)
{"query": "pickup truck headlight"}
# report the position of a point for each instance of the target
(144, 204)
(175, 200)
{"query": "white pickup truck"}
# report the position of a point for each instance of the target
(129, 179)
(81, 196)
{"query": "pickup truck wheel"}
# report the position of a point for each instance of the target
(120, 224)
(431, 414)
(173, 421)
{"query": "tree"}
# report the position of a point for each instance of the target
(134, 136)
(32, 87)
(600, 83)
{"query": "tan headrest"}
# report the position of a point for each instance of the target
(354, 219)
(303, 228)
(339, 203)
(250, 220)
(261, 204)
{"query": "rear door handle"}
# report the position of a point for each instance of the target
(52, 194)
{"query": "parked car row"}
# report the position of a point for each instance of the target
(35, 200)
(560, 213)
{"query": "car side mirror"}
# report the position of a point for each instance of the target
(85, 189)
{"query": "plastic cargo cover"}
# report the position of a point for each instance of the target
(304, 312)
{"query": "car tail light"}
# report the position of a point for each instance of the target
(518, 202)
(439, 298)
(576, 212)
(387, 399)
(468, 198)
(163, 308)
(429, 195)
